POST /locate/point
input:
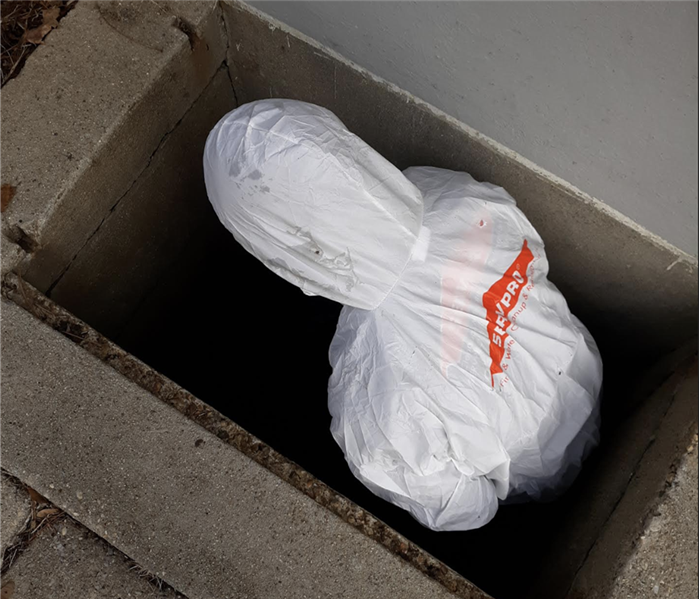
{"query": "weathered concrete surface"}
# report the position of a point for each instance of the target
(647, 482)
(67, 561)
(664, 563)
(12, 256)
(569, 85)
(607, 473)
(88, 110)
(15, 511)
(615, 275)
(176, 499)
(155, 383)
(158, 220)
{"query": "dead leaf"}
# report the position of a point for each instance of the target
(49, 511)
(36, 496)
(50, 16)
(7, 193)
(35, 36)
(8, 589)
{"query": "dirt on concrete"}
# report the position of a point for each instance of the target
(25, 513)
(664, 563)
(25, 24)
(66, 560)
(15, 511)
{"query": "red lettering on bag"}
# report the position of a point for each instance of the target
(499, 300)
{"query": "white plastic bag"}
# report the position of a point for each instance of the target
(460, 378)
(312, 201)
(472, 382)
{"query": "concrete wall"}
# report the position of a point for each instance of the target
(614, 275)
(603, 95)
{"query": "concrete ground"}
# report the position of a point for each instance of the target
(68, 561)
(15, 512)
(64, 560)
(175, 498)
(665, 561)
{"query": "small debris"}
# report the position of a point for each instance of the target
(674, 263)
(50, 16)
(8, 192)
(8, 589)
(37, 497)
(79, 495)
(37, 35)
(49, 21)
(45, 513)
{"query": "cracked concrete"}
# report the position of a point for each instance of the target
(664, 562)
(134, 240)
(15, 512)
(67, 561)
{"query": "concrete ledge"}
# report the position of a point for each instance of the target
(675, 427)
(173, 497)
(664, 563)
(592, 506)
(202, 414)
(159, 219)
(87, 111)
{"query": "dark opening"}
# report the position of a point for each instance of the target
(255, 348)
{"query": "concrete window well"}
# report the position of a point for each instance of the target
(109, 238)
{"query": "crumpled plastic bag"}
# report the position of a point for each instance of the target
(312, 201)
(472, 382)
(460, 378)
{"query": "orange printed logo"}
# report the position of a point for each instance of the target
(499, 300)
